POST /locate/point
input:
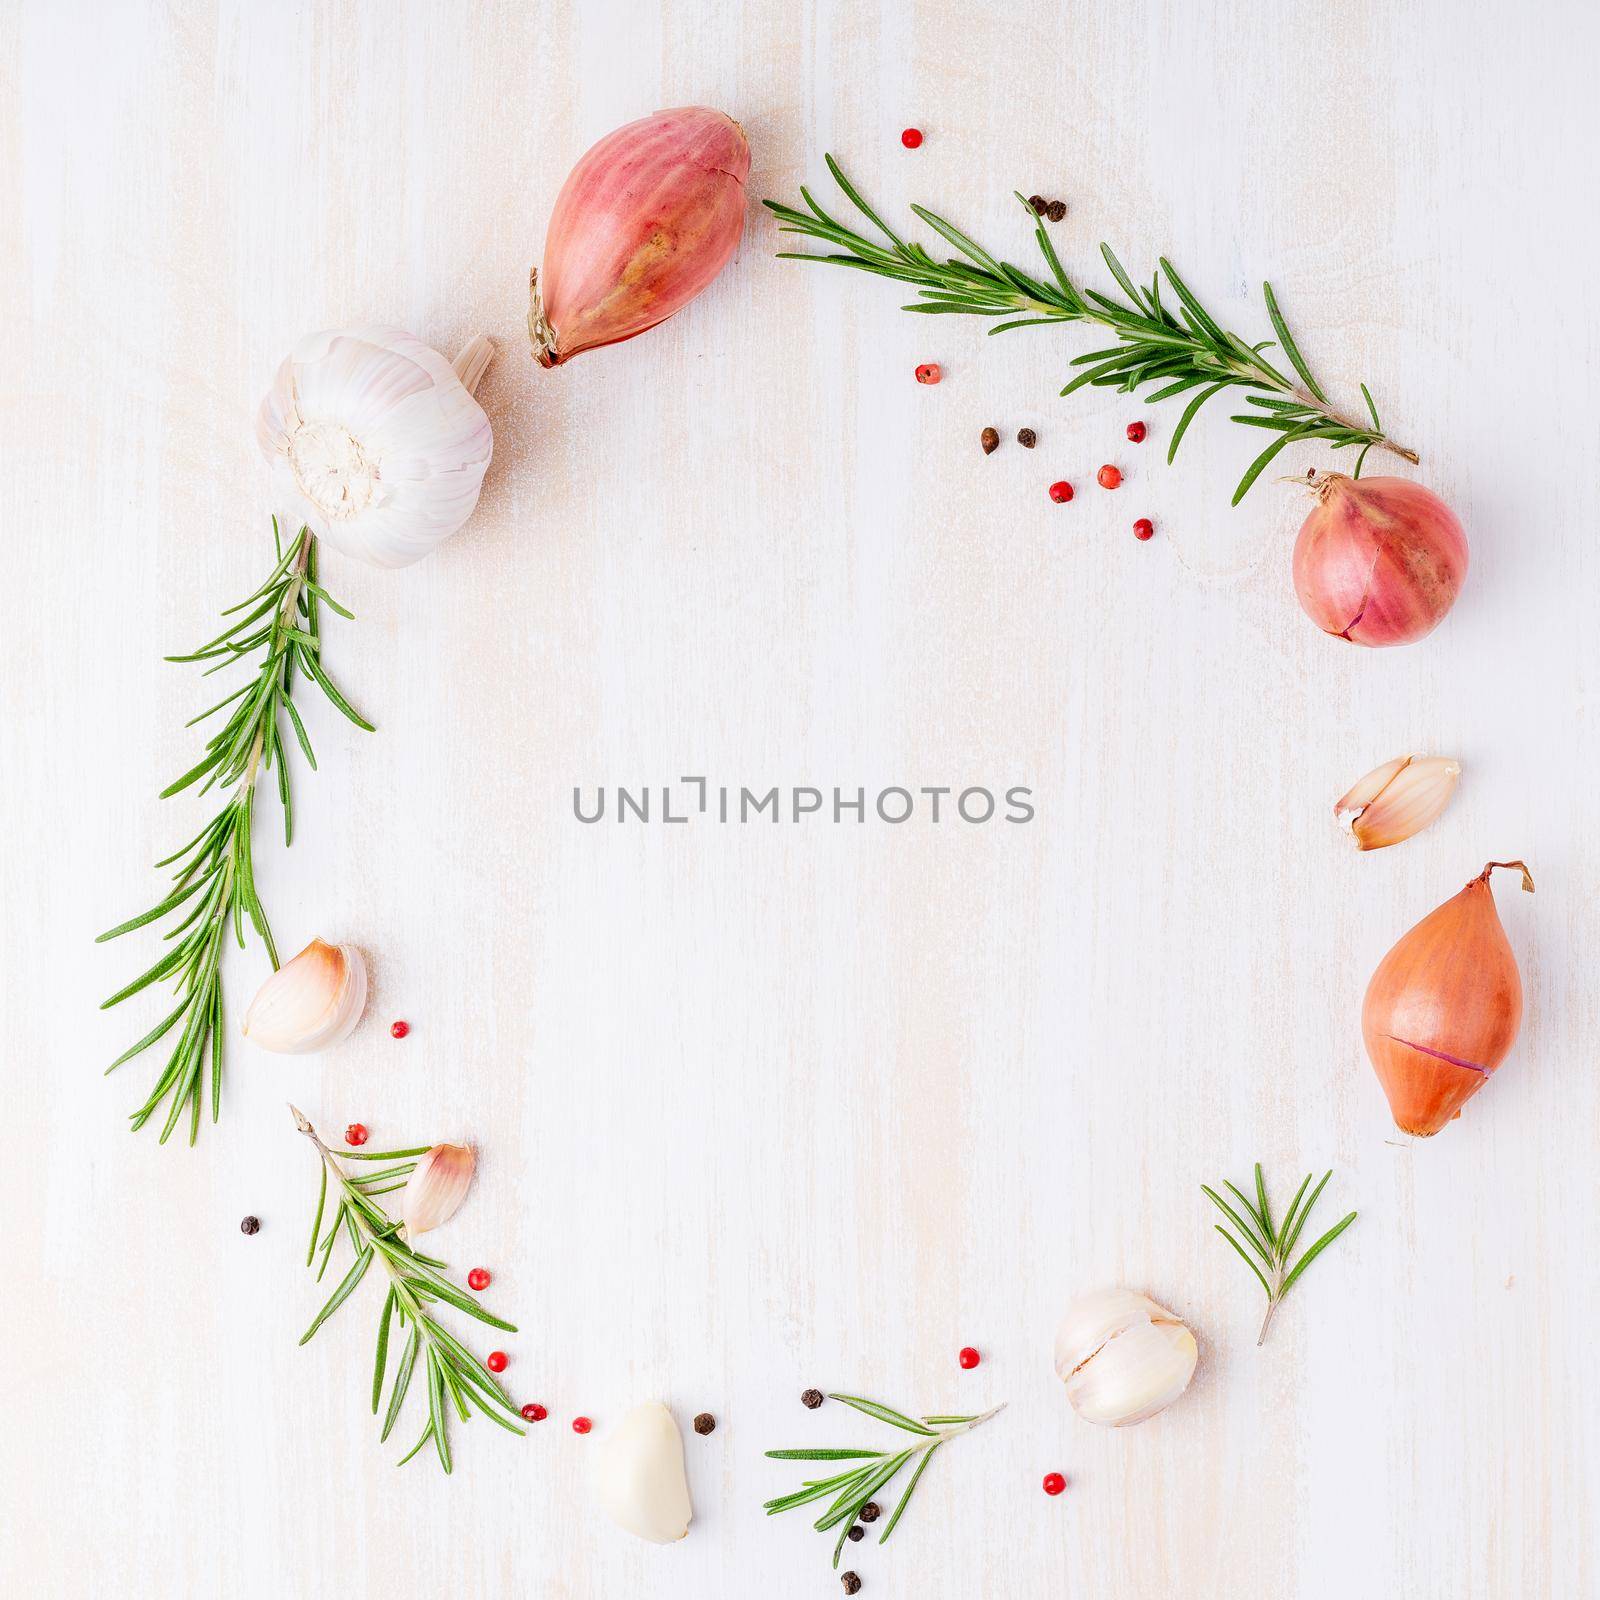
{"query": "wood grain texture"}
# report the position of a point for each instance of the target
(770, 1106)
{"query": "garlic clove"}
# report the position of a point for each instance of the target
(309, 1003)
(1123, 1357)
(1398, 799)
(437, 1186)
(376, 442)
(638, 1475)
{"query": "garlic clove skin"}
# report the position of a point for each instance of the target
(638, 1476)
(375, 441)
(437, 1186)
(309, 1003)
(1123, 1357)
(1398, 799)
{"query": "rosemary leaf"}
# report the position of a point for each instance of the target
(1164, 351)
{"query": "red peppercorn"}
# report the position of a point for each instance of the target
(478, 1278)
(1061, 492)
(1108, 477)
(534, 1412)
(497, 1361)
(1054, 1483)
(969, 1358)
(399, 1029)
(911, 138)
(929, 372)
(356, 1133)
(1136, 431)
(581, 1424)
(1144, 528)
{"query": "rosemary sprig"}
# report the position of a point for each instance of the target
(1273, 1245)
(1176, 348)
(456, 1379)
(214, 882)
(851, 1489)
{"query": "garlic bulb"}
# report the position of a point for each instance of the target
(1396, 800)
(375, 441)
(1123, 1357)
(437, 1186)
(311, 1002)
(638, 1477)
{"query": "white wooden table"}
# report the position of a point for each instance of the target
(761, 1107)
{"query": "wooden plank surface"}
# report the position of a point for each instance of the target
(766, 1106)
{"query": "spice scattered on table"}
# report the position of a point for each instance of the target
(1054, 1483)
(1061, 492)
(479, 1278)
(400, 1029)
(990, 440)
(1027, 438)
(497, 1361)
(969, 1358)
(1136, 432)
(929, 372)
(1108, 477)
(705, 1423)
(811, 1399)
(581, 1425)
(1053, 210)
(534, 1412)
(870, 1512)
(1144, 528)
(911, 138)
(851, 1582)
(356, 1134)
(250, 1225)
(856, 1534)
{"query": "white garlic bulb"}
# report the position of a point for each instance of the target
(1123, 1357)
(311, 1002)
(375, 441)
(638, 1476)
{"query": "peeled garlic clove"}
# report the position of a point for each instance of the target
(1123, 1357)
(311, 1002)
(1398, 799)
(437, 1186)
(375, 441)
(638, 1476)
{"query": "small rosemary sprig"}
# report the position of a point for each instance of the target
(454, 1375)
(853, 1488)
(1273, 1244)
(214, 874)
(1177, 349)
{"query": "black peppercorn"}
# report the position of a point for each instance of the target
(250, 1225)
(811, 1399)
(1039, 203)
(850, 1581)
(856, 1534)
(1056, 210)
(705, 1422)
(990, 440)
(1027, 438)
(869, 1512)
